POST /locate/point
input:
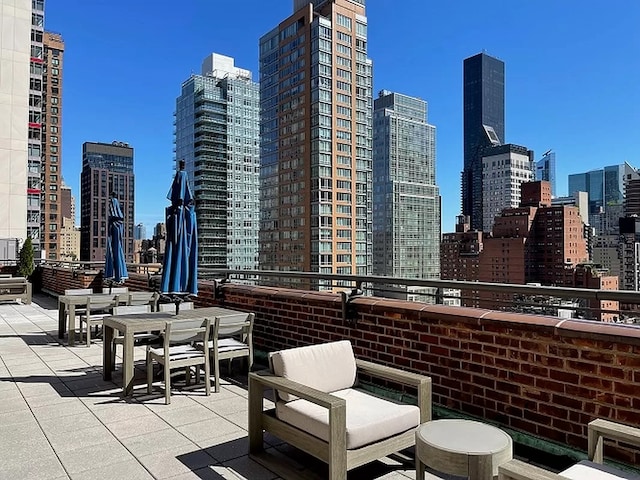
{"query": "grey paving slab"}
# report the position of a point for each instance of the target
(208, 429)
(42, 467)
(72, 406)
(247, 469)
(177, 461)
(70, 425)
(138, 425)
(184, 416)
(94, 457)
(16, 418)
(64, 441)
(226, 447)
(113, 410)
(13, 405)
(157, 442)
(129, 470)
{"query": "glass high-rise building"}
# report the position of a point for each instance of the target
(406, 199)
(316, 133)
(217, 135)
(546, 170)
(605, 186)
(483, 84)
(106, 168)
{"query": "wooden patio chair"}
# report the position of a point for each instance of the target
(97, 308)
(320, 410)
(592, 469)
(178, 351)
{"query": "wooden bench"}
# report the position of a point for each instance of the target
(14, 288)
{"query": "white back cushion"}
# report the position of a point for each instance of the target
(327, 367)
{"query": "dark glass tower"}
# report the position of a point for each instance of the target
(483, 126)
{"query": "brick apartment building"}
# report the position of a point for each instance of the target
(533, 243)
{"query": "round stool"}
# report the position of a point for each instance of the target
(461, 447)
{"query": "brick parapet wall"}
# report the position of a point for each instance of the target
(543, 376)
(539, 375)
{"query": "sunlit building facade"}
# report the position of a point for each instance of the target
(17, 102)
(217, 135)
(51, 220)
(106, 168)
(406, 199)
(316, 133)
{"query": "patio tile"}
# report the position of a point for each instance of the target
(78, 422)
(64, 441)
(157, 442)
(226, 405)
(14, 405)
(48, 386)
(245, 468)
(241, 419)
(138, 425)
(73, 406)
(113, 410)
(176, 462)
(131, 470)
(227, 447)
(49, 399)
(94, 457)
(43, 466)
(16, 418)
(186, 415)
(208, 429)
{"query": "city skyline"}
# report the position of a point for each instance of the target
(554, 99)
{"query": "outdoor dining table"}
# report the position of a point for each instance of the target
(67, 308)
(130, 324)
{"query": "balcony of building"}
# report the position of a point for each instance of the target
(541, 378)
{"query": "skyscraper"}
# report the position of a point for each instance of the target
(406, 200)
(139, 232)
(546, 170)
(316, 122)
(605, 187)
(106, 168)
(217, 135)
(36, 105)
(504, 169)
(51, 165)
(483, 84)
(18, 106)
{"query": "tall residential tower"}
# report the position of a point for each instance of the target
(316, 133)
(217, 135)
(406, 199)
(106, 168)
(17, 102)
(483, 85)
(51, 166)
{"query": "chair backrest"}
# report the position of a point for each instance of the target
(79, 291)
(327, 367)
(142, 298)
(186, 331)
(127, 309)
(171, 307)
(240, 325)
(114, 290)
(102, 302)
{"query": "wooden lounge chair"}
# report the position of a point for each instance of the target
(591, 469)
(320, 410)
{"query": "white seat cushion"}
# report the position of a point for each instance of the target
(586, 470)
(369, 418)
(178, 352)
(229, 345)
(327, 367)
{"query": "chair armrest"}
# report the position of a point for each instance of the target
(599, 429)
(517, 470)
(268, 379)
(391, 373)
(421, 382)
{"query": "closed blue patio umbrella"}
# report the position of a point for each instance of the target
(180, 266)
(115, 267)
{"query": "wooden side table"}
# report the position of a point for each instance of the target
(461, 447)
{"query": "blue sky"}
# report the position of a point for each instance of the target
(572, 75)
